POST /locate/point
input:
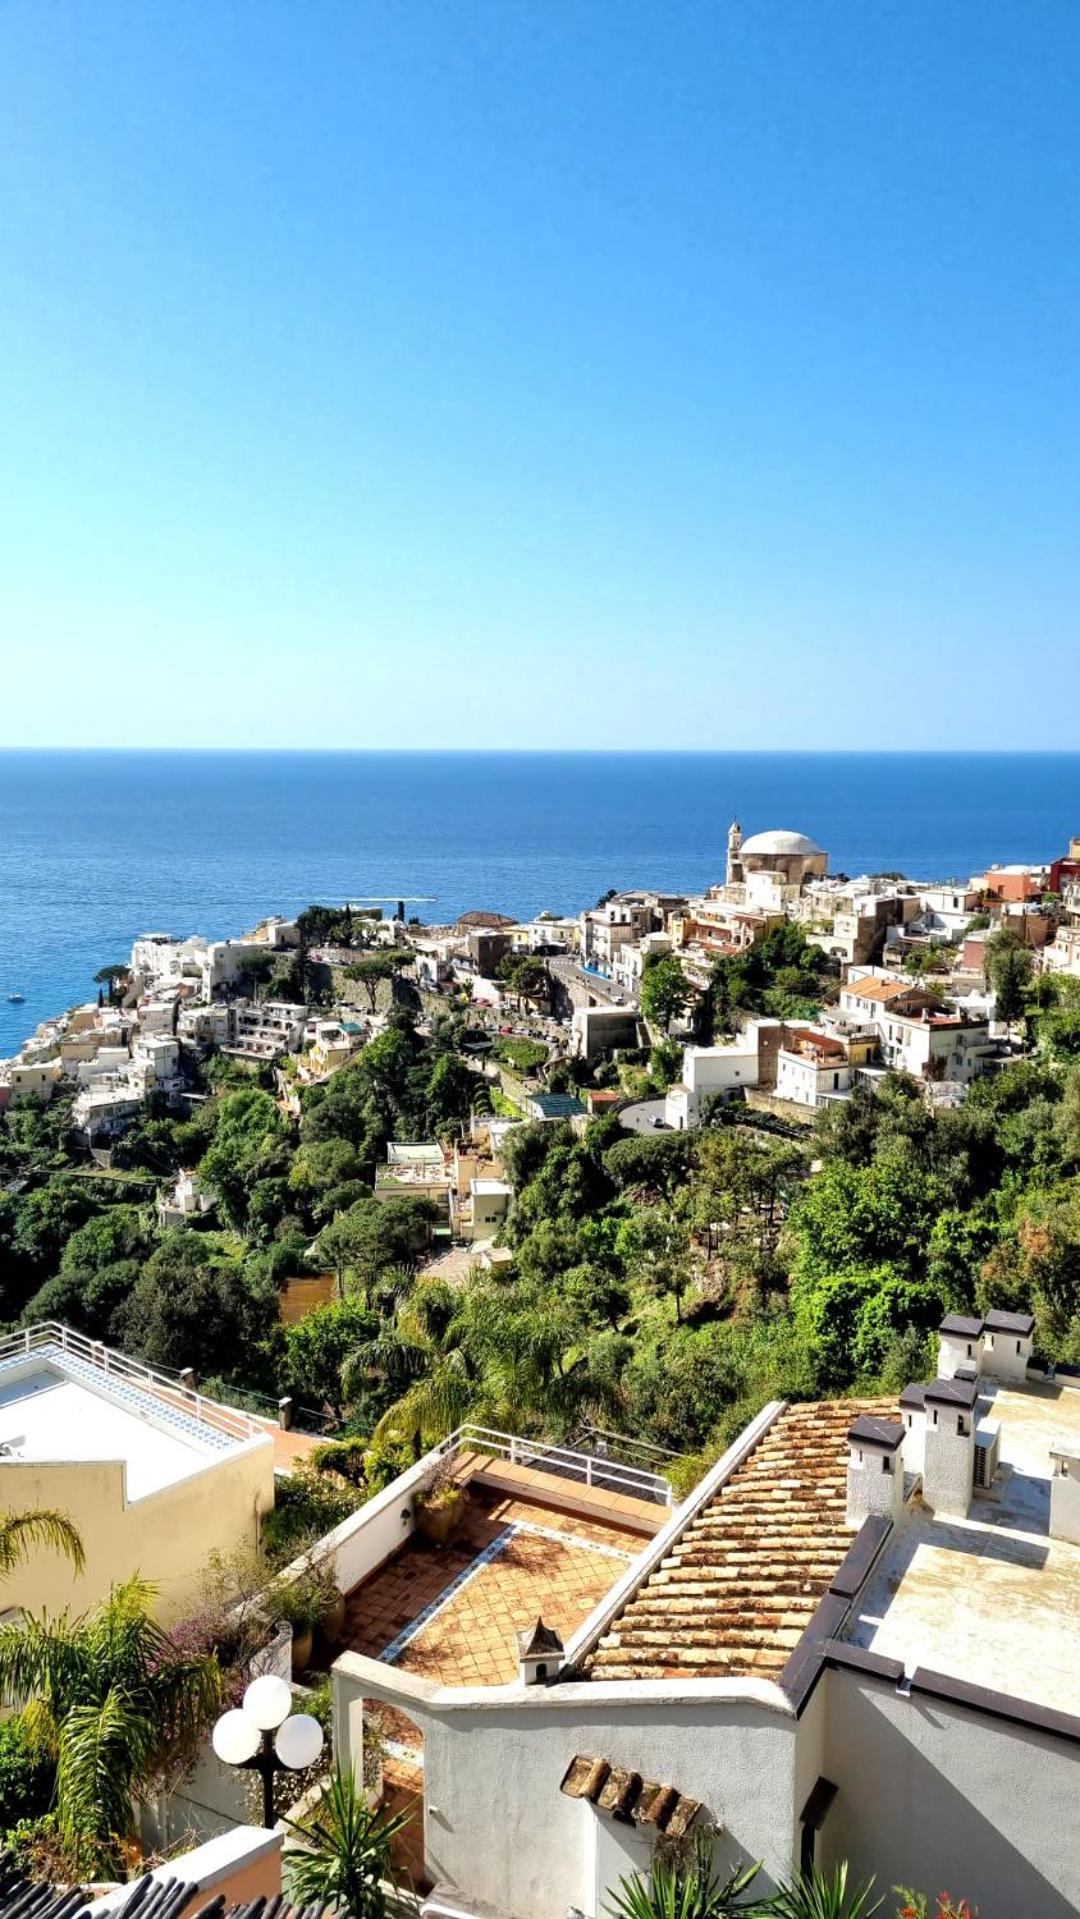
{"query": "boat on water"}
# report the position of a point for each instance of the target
(16, 998)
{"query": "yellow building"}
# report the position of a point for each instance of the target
(154, 1475)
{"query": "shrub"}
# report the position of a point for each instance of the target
(524, 1055)
(344, 1457)
(306, 1505)
(26, 1776)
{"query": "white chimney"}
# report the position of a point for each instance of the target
(540, 1654)
(1007, 1342)
(960, 1345)
(875, 1475)
(949, 1453)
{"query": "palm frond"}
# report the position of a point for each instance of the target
(40, 1527)
(102, 1747)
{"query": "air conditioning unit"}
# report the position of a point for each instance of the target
(987, 1452)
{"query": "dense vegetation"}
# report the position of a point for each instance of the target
(660, 1285)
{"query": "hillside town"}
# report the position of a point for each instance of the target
(909, 987)
(614, 1378)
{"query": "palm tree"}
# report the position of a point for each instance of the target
(40, 1526)
(342, 1857)
(115, 1704)
(420, 1359)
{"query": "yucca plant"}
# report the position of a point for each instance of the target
(342, 1853)
(685, 1889)
(819, 1895)
(114, 1704)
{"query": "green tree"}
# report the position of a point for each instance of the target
(373, 1234)
(1009, 968)
(377, 969)
(527, 977)
(38, 1528)
(318, 1173)
(250, 1143)
(317, 1347)
(688, 1888)
(449, 1094)
(195, 1305)
(111, 977)
(253, 969)
(665, 992)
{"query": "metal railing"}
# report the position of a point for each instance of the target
(606, 1474)
(129, 1372)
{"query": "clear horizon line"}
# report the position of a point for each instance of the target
(613, 752)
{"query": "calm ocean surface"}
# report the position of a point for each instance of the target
(96, 847)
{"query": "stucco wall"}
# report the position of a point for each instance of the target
(501, 1759)
(165, 1536)
(935, 1796)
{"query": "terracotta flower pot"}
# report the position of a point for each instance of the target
(439, 1518)
(332, 1624)
(303, 1640)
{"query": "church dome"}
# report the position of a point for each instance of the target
(780, 843)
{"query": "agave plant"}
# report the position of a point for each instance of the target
(819, 1895)
(341, 1855)
(686, 1889)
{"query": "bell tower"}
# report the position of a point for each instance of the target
(734, 843)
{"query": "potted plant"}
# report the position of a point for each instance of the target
(439, 1504)
(303, 1602)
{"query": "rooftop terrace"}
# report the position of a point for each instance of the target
(450, 1614)
(989, 1598)
(70, 1399)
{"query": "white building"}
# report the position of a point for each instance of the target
(946, 910)
(184, 1201)
(709, 1072)
(917, 1033)
(263, 1029)
(805, 1659)
(812, 1067)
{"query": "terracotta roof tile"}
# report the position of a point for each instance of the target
(626, 1795)
(741, 1582)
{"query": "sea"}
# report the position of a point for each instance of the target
(96, 847)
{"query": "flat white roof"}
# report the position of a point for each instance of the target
(63, 1410)
(989, 1598)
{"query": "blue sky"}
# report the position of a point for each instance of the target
(590, 374)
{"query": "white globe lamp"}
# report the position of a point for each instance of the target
(299, 1741)
(267, 1701)
(236, 1738)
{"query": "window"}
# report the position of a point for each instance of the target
(886, 1463)
(1018, 1345)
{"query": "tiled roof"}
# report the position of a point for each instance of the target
(882, 989)
(738, 1587)
(618, 1790)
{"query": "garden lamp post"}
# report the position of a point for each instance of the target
(262, 1736)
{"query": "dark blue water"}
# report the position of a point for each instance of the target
(96, 847)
